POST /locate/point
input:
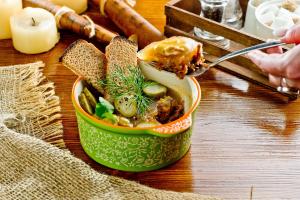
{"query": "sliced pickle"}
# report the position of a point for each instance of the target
(84, 103)
(126, 105)
(155, 90)
(90, 97)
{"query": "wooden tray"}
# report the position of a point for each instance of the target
(184, 15)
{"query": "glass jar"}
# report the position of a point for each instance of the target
(213, 10)
(233, 15)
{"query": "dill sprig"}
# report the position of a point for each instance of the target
(129, 80)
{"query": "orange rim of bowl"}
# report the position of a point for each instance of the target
(185, 116)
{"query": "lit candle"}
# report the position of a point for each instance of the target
(79, 6)
(7, 9)
(34, 30)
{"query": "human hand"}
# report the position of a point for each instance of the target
(278, 64)
(290, 36)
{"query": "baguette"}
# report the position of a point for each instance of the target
(85, 60)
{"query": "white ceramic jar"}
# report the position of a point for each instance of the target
(250, 21)
(266, 30)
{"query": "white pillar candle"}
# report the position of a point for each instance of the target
(7, 9)
(79, 6)
(34, 30)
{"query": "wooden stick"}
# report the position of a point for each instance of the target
(72, 21)
(131, 22)
(95, 2)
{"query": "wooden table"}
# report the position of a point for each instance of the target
(245, 136)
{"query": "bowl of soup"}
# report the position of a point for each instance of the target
(140, 147)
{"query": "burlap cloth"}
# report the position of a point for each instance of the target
(31, 168)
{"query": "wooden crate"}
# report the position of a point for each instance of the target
(184, 15)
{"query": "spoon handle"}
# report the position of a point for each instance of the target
(247, 50)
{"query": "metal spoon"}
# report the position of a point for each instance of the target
(265, 45)
(283, 85)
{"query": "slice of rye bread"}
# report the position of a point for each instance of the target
(120, 52)
(85, 60)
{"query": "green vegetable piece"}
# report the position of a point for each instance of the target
(126, 105)
(110, 118)
(84, 103)
(123, 121)
(128, 80)
(148, 124)
(154, 89)
(96, 116)
(103, 107)
(90, 97)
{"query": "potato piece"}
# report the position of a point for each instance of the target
(148, 124)
(123, 121)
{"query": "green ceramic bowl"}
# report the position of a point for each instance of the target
(140, 149)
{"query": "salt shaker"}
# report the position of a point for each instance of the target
(214, 10)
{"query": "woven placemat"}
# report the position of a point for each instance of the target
(34, 169)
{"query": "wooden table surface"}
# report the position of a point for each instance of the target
(245, 136)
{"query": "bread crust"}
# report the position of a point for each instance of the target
(81, 56)
(87, 61)
(120, 52)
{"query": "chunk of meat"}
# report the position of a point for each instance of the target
(169, 109)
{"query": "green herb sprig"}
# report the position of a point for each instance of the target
(128, 80)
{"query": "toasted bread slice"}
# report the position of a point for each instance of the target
(85, 60)
(121, 52)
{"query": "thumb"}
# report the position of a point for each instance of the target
(269, 63)
(280, 32)
(292, 36)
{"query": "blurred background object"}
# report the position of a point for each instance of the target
(213, 10)
(233, 15)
